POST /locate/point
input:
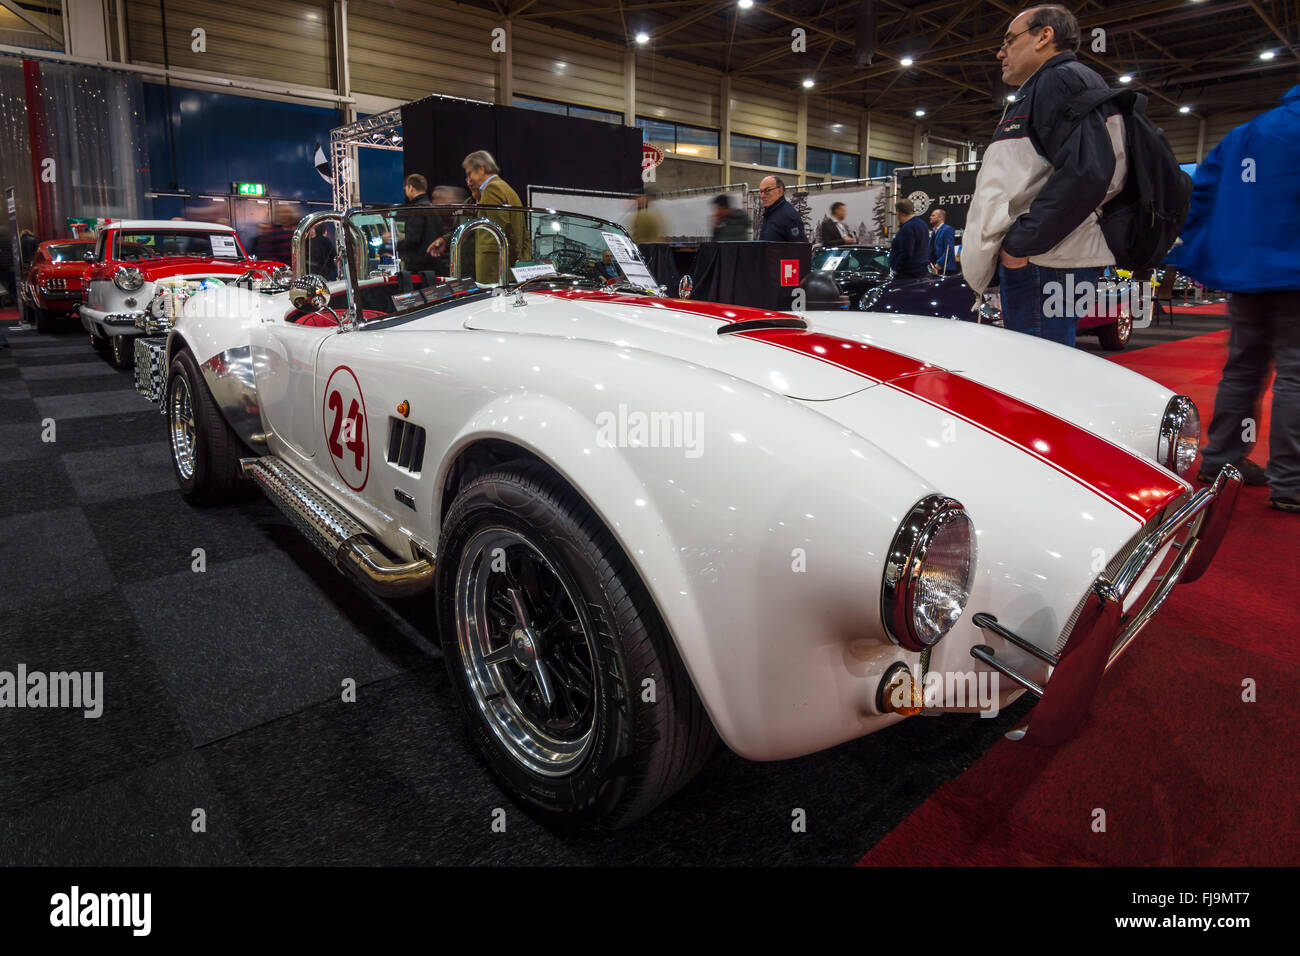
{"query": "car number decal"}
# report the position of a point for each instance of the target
(347, 429)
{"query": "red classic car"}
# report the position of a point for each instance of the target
(55, 283)
(144, 270)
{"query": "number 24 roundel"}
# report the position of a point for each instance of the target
(347, 430)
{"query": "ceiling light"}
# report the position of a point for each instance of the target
(807, 84)
(642, 37)
(1011, 97)
(746, 4)
(906, 61)
(1184, 109)
(1126, 78)
(920, 113)
(1267, 55)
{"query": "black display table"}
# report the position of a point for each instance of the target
(759, 274)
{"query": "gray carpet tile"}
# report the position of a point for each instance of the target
(37, 483)
(23, 440)
(45, 556)
(89, 404)
(145, 817)
(34, 373)
(107, 473)
(249, 641)
(48, 752)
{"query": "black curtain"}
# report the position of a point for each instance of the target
(532, 148)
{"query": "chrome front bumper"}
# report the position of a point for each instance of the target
(122, 318)
(1115, 610)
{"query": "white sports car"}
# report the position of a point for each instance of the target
(651, 522)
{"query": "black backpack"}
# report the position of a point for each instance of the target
(1143, 220)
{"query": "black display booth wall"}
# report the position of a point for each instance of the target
(532, 148)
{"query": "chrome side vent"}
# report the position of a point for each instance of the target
(405, 445)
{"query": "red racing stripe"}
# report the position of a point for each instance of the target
(1136, 486)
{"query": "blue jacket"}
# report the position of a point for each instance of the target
(782, 223)
(1247, 182)
(909, 250)
(943, 252)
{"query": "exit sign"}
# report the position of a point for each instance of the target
(248, 189)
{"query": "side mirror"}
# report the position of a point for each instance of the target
(88, 257)
(684, 287)
(309, 293)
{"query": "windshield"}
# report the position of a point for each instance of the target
(859, 259)
(407, 261)
(154, 243)
(68, 251)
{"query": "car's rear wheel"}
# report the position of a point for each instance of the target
(45, 321)
(568, 678)
(1115, 337)
(122, 350)
(205, 450)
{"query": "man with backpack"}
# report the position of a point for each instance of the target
(1034, 216)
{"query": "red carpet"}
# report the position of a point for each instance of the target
(1212, 308)
(1186, 772)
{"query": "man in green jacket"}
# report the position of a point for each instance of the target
(483, 177)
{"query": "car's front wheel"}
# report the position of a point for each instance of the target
(568, 678)
(1115, 337)
(122, 350)
(205, 449)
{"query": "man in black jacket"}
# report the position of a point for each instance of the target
(833, 232)
(729, 225)
(781, 221)
(909, 250)
(419, 229)
(1034, 213)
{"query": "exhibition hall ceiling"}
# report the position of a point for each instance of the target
(1215, 56)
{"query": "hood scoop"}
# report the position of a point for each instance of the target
(756, 325)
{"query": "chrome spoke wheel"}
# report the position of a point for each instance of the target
(527, 650)
(180, 419)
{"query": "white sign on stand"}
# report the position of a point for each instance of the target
(628, 257)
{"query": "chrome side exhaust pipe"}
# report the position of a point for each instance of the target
(335, 533)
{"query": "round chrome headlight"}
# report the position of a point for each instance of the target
(128, 278)
(1180, 436)
(928, 573)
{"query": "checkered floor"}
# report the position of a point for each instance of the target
(223, 687)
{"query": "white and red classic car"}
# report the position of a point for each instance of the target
(648, 523)
(138, 266)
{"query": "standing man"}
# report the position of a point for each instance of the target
(729, 225)
(781, 221)
(833, 231)
(1033, 218)
(418, 229)
(1224, 248)
(909, 250)
(483, 177)
(646, 226)
(943, 249)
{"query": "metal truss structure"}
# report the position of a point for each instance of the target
(380, 131)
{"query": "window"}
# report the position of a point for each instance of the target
(568, 109)
(679, 138)
(882, 167)
(762, 152)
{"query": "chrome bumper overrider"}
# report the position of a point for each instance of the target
(1113, 613)
(122, 318)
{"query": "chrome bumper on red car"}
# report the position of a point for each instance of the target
(1115, 610)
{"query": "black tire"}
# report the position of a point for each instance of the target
(99, 343)
(637, 752)
(205, 458)
(45, 321)
(121, 351)
(1115, 337)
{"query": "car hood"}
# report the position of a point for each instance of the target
(778, 359)
(154, 269)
